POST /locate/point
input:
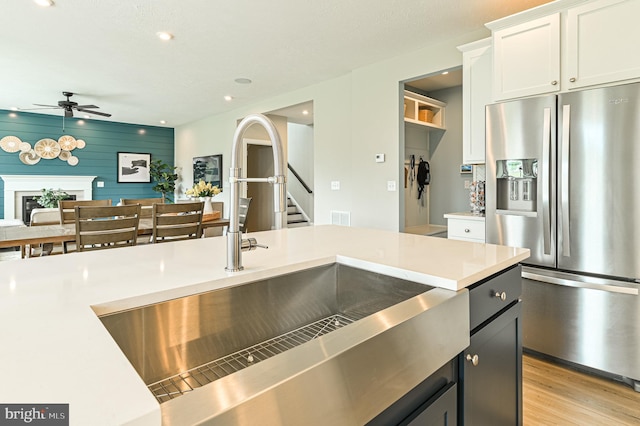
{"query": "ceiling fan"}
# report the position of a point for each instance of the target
(68, 106)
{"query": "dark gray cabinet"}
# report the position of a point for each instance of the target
(490, 370)
(441, 411)
(432, 403)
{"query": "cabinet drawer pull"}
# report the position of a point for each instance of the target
(474, 359)
(467, 230)
(502, 296)
(554, 83)
(572, 79)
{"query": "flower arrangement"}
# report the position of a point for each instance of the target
(51, 197)
(203, 189)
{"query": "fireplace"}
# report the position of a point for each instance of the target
(29, 203)
(18, 186)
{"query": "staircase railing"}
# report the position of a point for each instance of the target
(306, 187)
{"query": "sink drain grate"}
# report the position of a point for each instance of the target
(187, 381)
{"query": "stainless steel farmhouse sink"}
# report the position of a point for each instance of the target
(328, 345)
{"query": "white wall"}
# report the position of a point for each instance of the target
(355, 117)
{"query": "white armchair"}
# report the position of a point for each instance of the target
(44, 216)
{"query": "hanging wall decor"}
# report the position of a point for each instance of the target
(45, 148)
(208, 169)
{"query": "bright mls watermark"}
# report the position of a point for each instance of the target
(34, 414)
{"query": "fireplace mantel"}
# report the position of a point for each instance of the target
(17, 185)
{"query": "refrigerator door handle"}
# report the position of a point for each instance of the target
(564, 185)
(602, 285)
(546, 212)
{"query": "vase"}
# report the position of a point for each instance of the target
(208, 208)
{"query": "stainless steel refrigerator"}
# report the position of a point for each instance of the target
(561, 181)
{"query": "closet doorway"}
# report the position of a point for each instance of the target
(429, 130)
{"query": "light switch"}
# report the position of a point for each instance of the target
(379, 158)
(391, 185)
(100, 184)
(335, 185)
(467, 184)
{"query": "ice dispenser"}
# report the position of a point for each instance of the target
(516, 186)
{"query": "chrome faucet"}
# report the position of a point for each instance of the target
(235, 243)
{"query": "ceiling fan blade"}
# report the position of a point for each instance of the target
(93, 112)
(33, 109)
(50, 106)
(86, 106)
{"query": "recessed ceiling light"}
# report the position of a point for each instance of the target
(44, 3)
(81, 122)
(305, 112)
(163, 121)
(228, 98)
(165, 36)
(13, 115)
(142, 131)
(242, 80)
(445, 73)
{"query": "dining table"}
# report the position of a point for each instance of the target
(23, 236)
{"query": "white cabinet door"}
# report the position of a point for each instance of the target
(526, 58)
(603, 43)
(476, 93)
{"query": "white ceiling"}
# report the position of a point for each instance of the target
(107, 52)
(452, 78)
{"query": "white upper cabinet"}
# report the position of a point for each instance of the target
(476, 94)
(565, 45)
(603, 42)
(527, 58)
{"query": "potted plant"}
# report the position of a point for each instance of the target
(51, 197)
(165, 178)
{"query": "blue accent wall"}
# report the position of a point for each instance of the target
(104, 139)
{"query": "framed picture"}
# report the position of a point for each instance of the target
(133, 167)
(208, 169)
(465, 168)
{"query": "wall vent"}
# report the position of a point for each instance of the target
(340, 218)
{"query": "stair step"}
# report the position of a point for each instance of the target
(295, 217)
(297, 224)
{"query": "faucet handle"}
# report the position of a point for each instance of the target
(249, 244)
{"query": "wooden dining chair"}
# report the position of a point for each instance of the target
(172, 222)
(100, 228)
(145, 203)
(68, 212)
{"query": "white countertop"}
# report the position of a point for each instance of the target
(465, 216)
(55, 349)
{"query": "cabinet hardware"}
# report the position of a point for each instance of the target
(572, 79)
(467, 230)
(502, 296)
(474, 359)
(554, 82)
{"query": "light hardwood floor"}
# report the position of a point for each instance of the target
(556, 395)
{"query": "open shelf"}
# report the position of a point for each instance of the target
(423, 111)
